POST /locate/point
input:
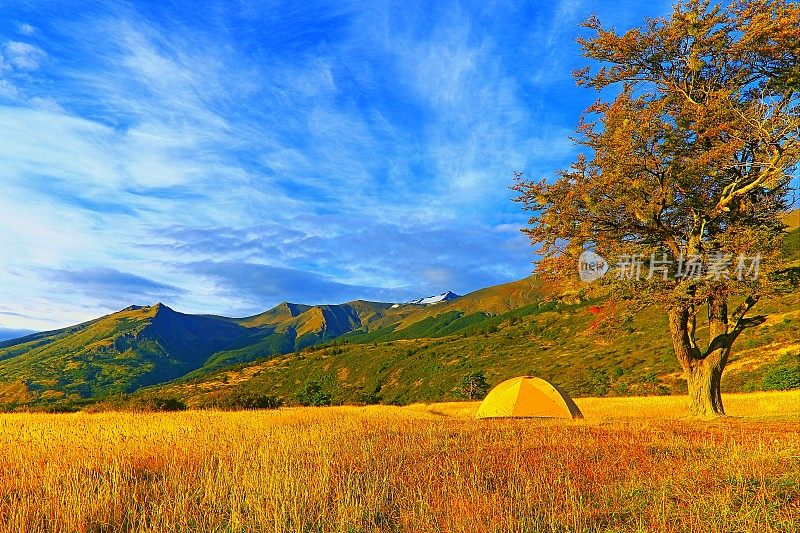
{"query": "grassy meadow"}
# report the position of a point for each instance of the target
(633, 464)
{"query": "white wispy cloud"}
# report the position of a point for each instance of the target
(26, 29)
(23, 56)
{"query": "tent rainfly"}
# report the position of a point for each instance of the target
(527, 397)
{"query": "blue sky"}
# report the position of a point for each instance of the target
(225, 156)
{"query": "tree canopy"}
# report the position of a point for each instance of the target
(689, 165)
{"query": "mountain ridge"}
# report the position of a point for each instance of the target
(140, 346)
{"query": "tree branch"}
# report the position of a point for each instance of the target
(739, 313)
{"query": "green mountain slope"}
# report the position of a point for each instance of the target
(118, 353)
(140, 346)
(559, 342)
(289, 327)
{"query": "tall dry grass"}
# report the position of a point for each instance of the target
(399, 469)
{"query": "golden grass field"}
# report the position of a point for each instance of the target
(633, 464)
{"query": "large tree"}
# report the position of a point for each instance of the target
(692, 147)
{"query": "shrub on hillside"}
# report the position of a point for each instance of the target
(312, 394)
(785, 376)
(242, 401)
(474, 386)
(55, 408)
(157, 404)
(599, 382)
(369, 398)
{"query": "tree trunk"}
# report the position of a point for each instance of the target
(703, 371)
(703, 378)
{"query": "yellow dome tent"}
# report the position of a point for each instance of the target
(527, 396)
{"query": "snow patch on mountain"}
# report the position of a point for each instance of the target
(430, 300)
